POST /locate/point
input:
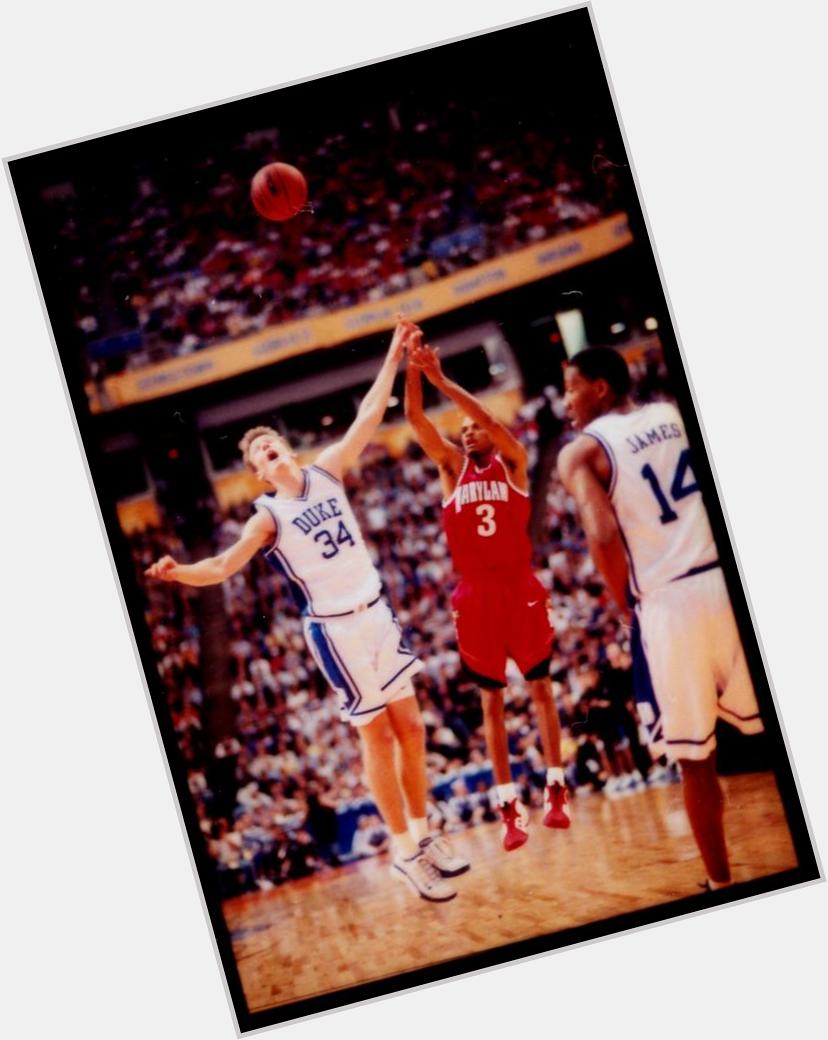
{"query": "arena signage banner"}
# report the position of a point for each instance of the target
(284, 341)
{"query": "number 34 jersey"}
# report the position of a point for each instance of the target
(655, 495)
(486, 520)
(319, 546)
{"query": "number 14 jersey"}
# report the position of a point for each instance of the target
(486, 520)
(655, 495)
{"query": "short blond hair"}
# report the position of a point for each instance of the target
(251, 435)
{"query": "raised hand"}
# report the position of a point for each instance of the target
(427, 360)
(400, 342)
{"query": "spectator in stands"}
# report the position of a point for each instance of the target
(371, 837)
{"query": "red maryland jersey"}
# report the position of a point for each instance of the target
(486, 520)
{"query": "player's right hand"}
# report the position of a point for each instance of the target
(162, 569)
(399, 341)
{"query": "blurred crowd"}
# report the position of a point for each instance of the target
(282, 795)
(399, 199)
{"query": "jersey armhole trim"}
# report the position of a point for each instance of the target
(262, 506)
(325, 473)
(447, 501)
(305, 485)
(525, 494)
(610, 458)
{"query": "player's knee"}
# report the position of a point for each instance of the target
(377, 733)
(492, 701)
(412, 730)
(407, 721)
(539, 672)
(540, 691)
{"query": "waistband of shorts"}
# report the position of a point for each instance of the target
(698, 570)
(505, 575)
(345, 613)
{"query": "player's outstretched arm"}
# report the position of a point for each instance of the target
(440, 450)
(504, 441)
(258, 532)
(338, 457)
(578, 470)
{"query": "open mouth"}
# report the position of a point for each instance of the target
(271, 455)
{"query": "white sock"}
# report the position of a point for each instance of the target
(404, 845)
(555, 775)
(418, 829)
(716, 885)
(506, 793)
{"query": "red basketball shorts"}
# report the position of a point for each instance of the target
(500, 617)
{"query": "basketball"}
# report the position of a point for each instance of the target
(278, 191)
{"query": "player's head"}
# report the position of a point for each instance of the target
(266, 453)
(596, 380)
(474, 439)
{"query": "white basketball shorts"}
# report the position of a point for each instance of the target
(364, 658)
(697, 667)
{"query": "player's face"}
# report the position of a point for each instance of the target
(474, 438)
(583, 399)
(271, 458)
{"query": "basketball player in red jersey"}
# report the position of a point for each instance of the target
(500, 608)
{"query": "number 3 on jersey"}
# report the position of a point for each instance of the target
(343, 537)
(679, 489)
(488, 526)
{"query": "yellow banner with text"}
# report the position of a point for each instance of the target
(284, 341)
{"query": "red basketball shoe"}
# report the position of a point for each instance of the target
(515, 825)
(556, 808)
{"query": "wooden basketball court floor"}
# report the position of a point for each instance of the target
(359, 922)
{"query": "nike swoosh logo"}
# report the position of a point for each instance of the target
(534, 603)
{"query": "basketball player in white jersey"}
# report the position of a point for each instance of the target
(307, 529)
(630, 472)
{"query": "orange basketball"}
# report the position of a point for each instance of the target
(279, 191)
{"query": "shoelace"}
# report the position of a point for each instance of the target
(428, 868)
(442, 846)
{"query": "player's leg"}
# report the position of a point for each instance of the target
(379, 763)
(393, 668)
(737, 696)
(705, 809)
(513, 814)
(345, 648)
(555, 798)
(529, 643)
(679, 637)
(480, 619)
(494, 731)
(548, 722)
(409, 731)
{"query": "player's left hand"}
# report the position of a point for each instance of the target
(162, 570)
(427, 360)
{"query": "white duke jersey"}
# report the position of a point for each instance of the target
(653, 490)
(319, 546)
